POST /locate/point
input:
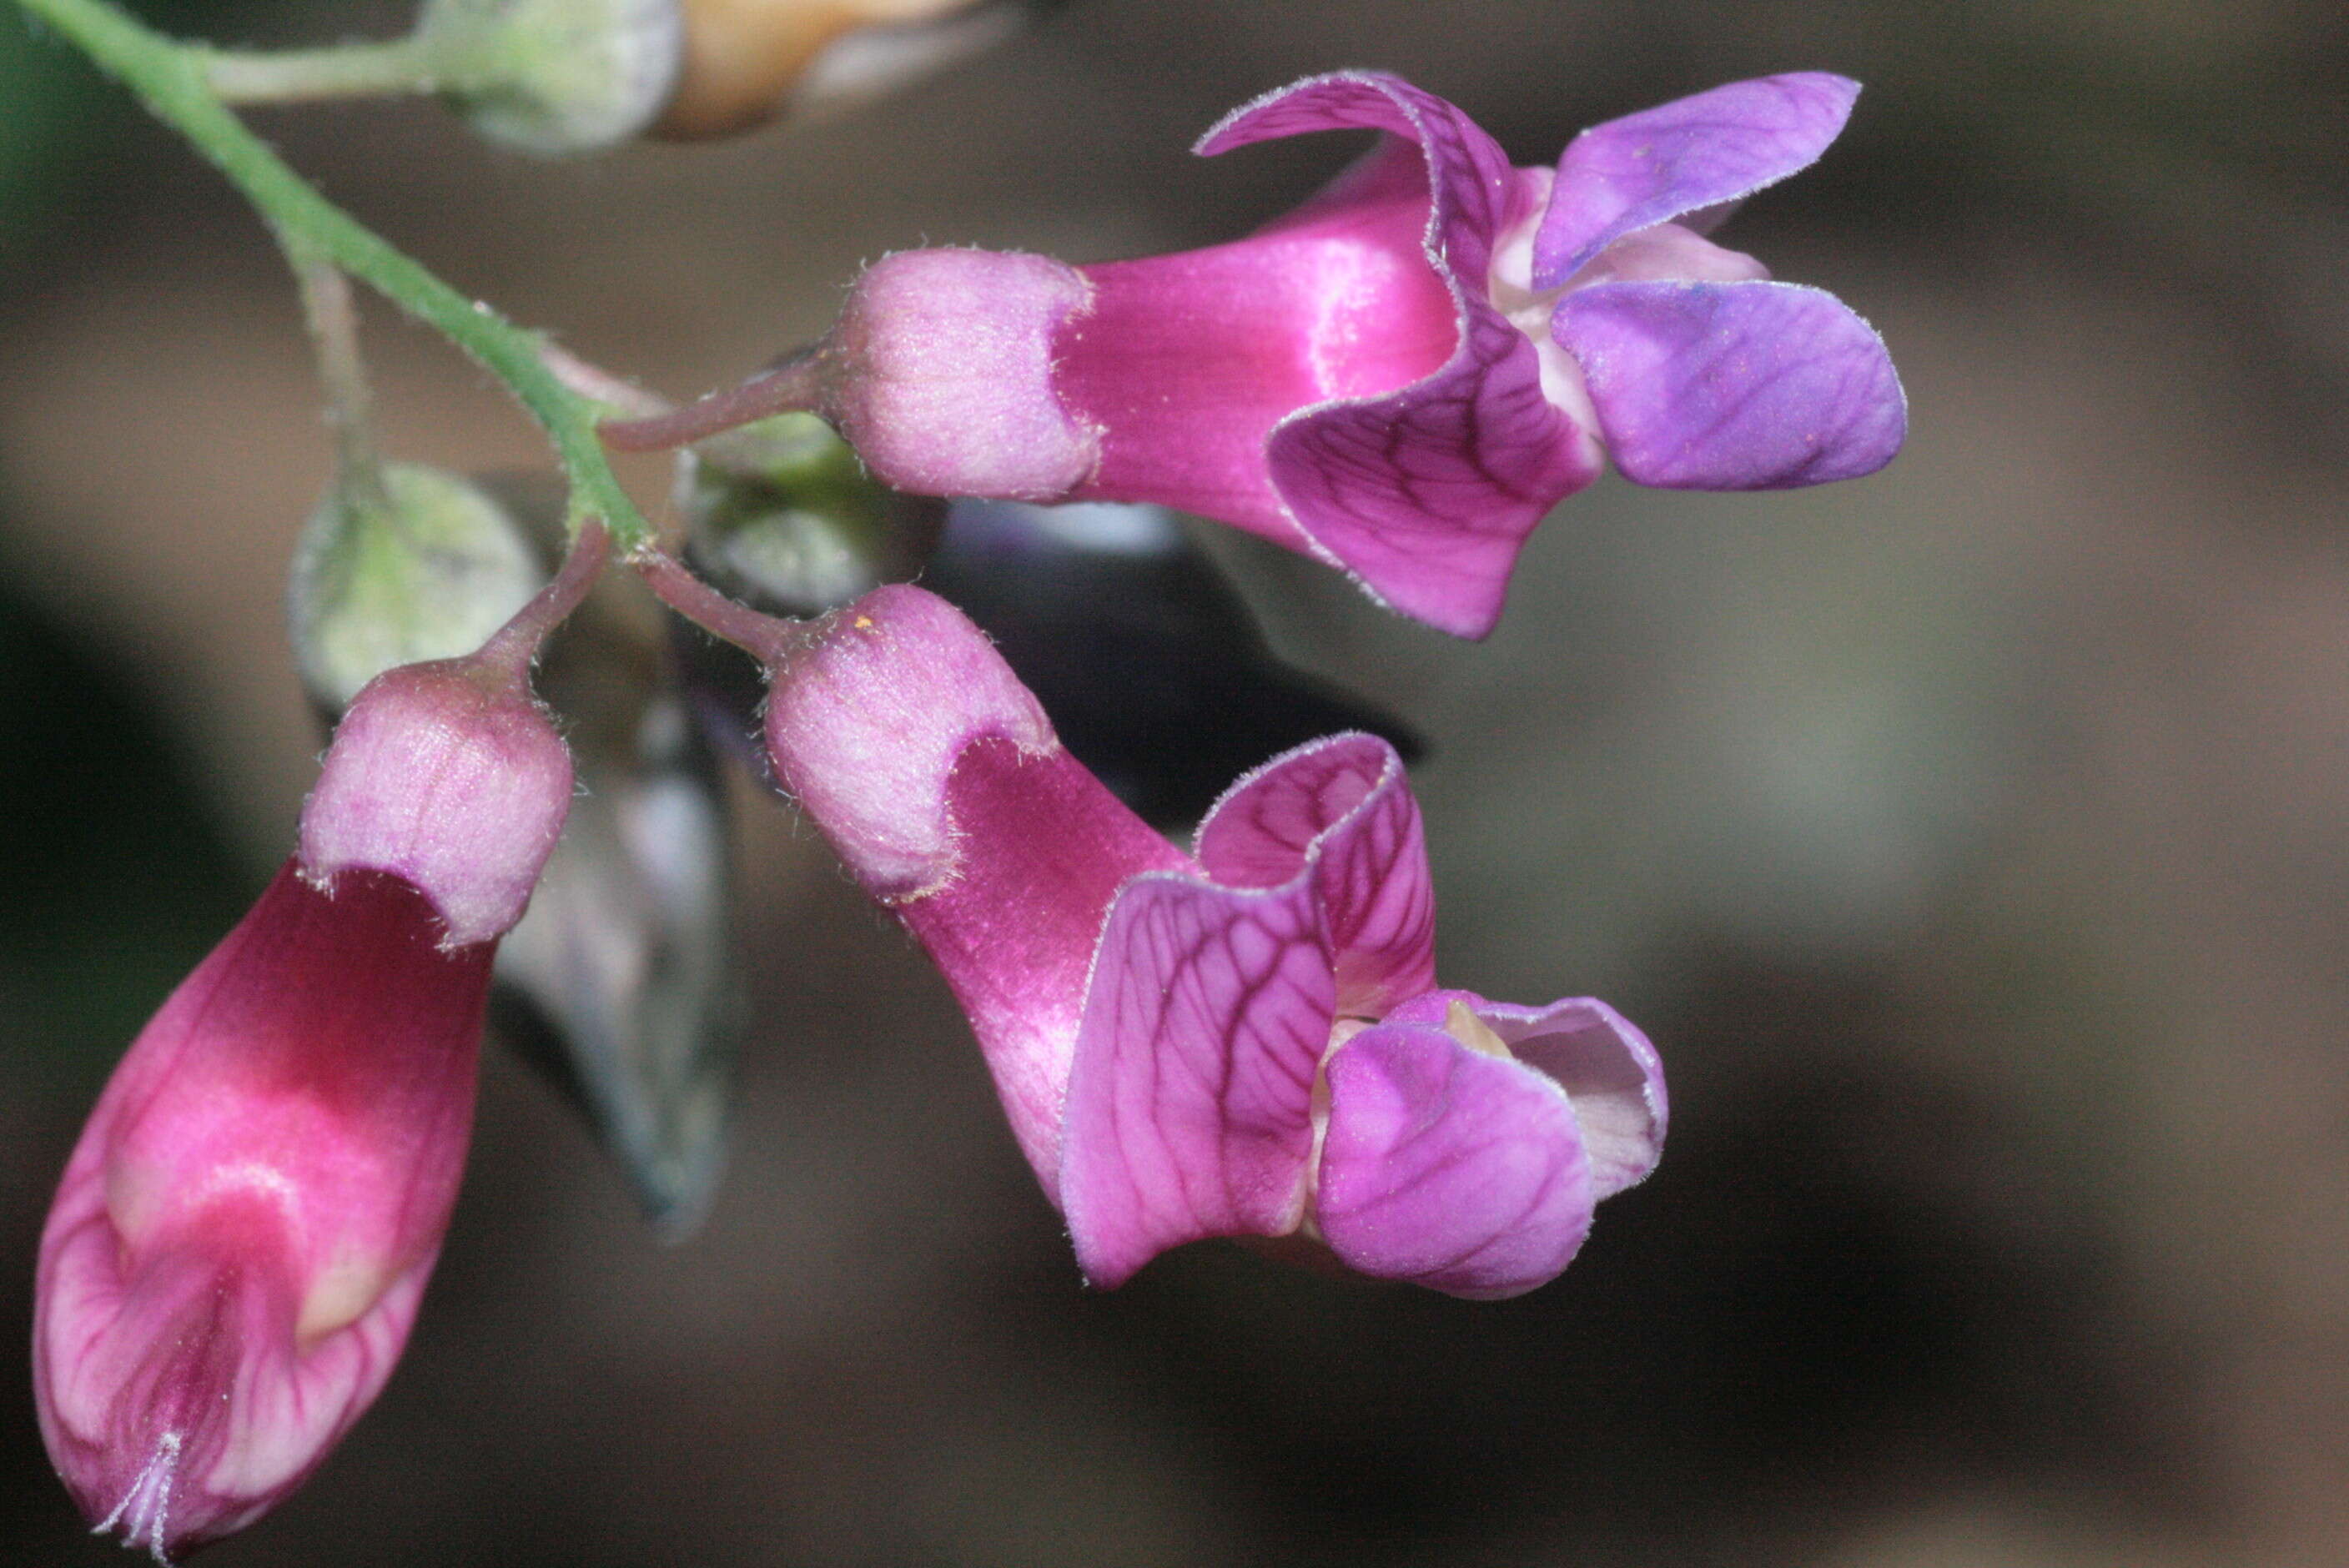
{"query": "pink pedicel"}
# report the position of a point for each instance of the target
(1400, 378)
(244, 1232)
(1242, 1041)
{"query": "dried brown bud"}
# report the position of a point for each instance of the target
(746, 60)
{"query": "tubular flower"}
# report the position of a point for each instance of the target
(1402, 376)
(1244, 1041)
(242, 1233)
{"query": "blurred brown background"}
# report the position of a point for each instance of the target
(1971, 839)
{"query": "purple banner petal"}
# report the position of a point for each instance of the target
(1427, 494)
(1190, 1102)
(1694, 152)
(1453, 1170)
(1608, 1070)
(1744, 386)
(1343, 806)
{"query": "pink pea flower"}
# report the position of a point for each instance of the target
(1244, 1041)
(1402, 376)
(242, 1233)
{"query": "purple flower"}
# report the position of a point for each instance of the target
(1402, 376)
(244, 1232)
(1263, 1051)
(1244, 1042)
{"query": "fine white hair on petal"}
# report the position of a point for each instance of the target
(146, 1507)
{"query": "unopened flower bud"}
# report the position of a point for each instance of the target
(746, 60)
(783, 515)
(619, 982)
(554, 76)
(242, 1233)
(423, 566)
(242, 1237)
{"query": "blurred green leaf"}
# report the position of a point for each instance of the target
(114, 883)
(50, 111)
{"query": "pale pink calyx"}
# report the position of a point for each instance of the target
(866, 718)
(867, 710)
(940, 374)
(450, 777)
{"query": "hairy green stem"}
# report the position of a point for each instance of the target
(170, 79)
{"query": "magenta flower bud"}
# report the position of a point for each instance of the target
(1402, 376)
(1244, 1041)
(242, 1233)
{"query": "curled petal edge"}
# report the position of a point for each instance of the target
(1209, 1007)
(1684, 157)
(1607, 1068)
(1424, 495)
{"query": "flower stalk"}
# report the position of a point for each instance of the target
(333, 323)
(387, 67)
(173, 80)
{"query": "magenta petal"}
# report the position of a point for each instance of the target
(1608, 1070)
(1189, 1106)
(1427, 494)
(1694, 152)
(1450, 1169)
(1343, 806)
(1042, 849)
(1740, 386)
(1185, 363)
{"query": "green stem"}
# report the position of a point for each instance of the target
(295, 76)
(169, 78)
